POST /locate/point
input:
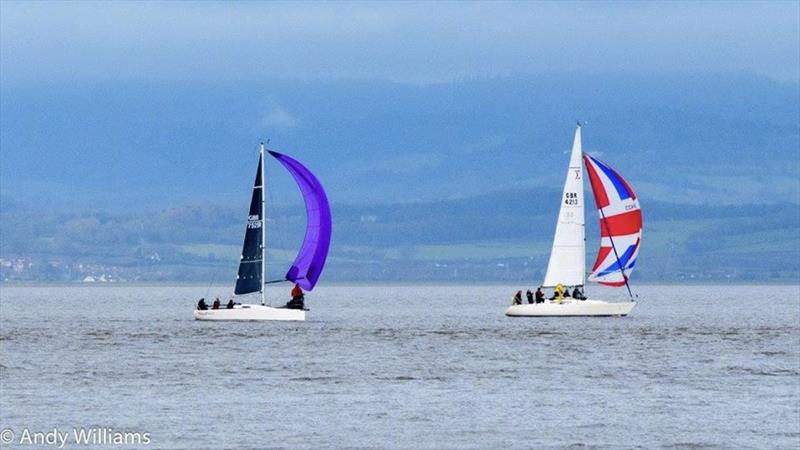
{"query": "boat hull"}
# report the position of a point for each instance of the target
(571, 308)
(250, 312)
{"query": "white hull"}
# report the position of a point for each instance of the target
(250, 312)
(569, 307)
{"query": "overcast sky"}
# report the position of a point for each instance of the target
(409, 42)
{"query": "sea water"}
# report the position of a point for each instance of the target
(411, 366)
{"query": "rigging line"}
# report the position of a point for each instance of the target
(213, 278)
(616, 255)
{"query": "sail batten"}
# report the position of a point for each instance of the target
(249, 277)
(568, 255)
(310, 260)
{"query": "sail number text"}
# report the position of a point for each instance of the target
(253, 222)
(570, 198)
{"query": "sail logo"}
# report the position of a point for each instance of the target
(577, 174)
(253, 222)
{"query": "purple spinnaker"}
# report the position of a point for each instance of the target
(308, 265)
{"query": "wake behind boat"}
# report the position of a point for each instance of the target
(620, 230)
(305, 270)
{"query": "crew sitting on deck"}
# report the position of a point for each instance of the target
(298, 298)
(230, 304)
(558, 293)
(517, 300)
(215, 305)
(539, 295)
(529, 294)
(566, 292)
(201, 305)
(577, 294)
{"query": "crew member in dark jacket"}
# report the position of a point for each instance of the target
(529, 294)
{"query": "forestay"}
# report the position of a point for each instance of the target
(568, 256)
(620, 224)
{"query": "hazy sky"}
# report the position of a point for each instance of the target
(414, 42)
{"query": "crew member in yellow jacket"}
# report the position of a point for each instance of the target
(559, 293)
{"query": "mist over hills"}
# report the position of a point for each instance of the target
(718, 139)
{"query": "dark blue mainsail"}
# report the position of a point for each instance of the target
(249, 278)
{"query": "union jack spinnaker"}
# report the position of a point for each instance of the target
(620, 224)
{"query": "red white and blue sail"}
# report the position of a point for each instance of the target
(620, 224)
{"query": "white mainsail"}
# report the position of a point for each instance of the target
(568, 257)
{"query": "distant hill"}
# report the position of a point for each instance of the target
(498, 236)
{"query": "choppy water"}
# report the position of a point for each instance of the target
(407, 366)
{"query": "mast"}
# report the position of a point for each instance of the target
(583, 212)
(263, 227)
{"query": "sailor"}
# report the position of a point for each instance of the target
(577, 294)
(215, 305)
(529, 294)
(201, 305)
(566, 292)
(298, 297)
(539, 295)
(297, 292)
(517, 300)
(559, 292)
(230, 304)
